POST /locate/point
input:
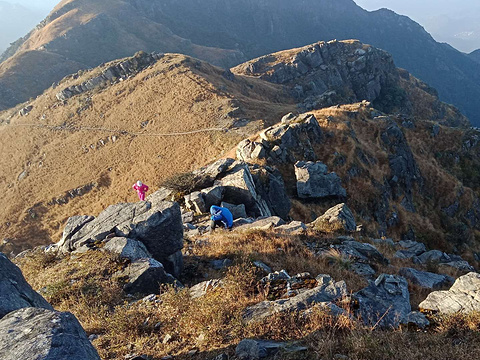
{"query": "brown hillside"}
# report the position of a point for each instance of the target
(177, 94)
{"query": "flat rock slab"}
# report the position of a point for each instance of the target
(41, 334)
(463, 296)
(426, 279)
(262, 224)
(127, 248)
(15, 292)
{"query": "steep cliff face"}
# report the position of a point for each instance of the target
(227, 33)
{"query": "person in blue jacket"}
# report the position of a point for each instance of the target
(220, 217)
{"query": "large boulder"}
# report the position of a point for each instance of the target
(195, 202)
(144, 276)
(385, 302)
(314, 181)
(41, 334)
(74, 224)
(339, 217)
(127, 248)
(426, 279)
(238, 211)
(240, 189)
(213, 195)
(325, 293)
(271, 187)
(15, 292)
(249, 150)
(159, 228)
(463, 296)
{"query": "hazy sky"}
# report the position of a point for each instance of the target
(45, 5)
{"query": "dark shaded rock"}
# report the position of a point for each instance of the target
(432, 256)
(34, 333)
(249, 349)
(416, 319)
(144, 276)
(363, 251)
(363, 269)
(314, 182)
(426, 279)
(238, 211)
(173, 263)
(220, 264)
(385, 302)
(213, 196)
(409, 249)
(463, 296)
(15, 292)
(127, 248)
(195, 202)
(74, 224)
(271, 187)
(339, 217)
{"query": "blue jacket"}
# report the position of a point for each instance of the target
(221, 214)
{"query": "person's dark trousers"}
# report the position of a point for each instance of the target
(214, 224)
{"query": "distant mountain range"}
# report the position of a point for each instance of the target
(85, 33)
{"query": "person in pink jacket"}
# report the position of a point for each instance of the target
(141, 189)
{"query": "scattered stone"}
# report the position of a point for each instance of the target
(263, 266)
(363, 269)
(293, 228)
(435, 256)
(463, 296)
(15, 292)
(385, 302)
(362, 251)
(314, 182)
(426, 279)
(187, 217)
(127, 248)
(203, 288)
(34, 333)
(409, 249)
(339, 217)
(461, 265)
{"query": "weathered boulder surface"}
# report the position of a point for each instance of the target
(213, 195)
(339, 217)
(238, 211)
(314, 181)
(159, 228)
(127, 248)
(409, 249)
(361, 251)
(294, 228)
(385, 302)
(74, 224)
(463, 296)
(249, 150)
(426, 279)
(196, 202)
(15, 292)
(327, 291)
(34, 333)
(144, 276)
(264, 223)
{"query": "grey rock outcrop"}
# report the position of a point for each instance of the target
(213, 195)
(262, 224)
(127, 248)
(327, 291)
(314, 181)
(144, 276)
(201, 289)
(74, 224)
(42, 334)
(409, 249)
(159, 228)
(195, 202)
(294, 228)
(238, 211)
(361, 252)
(339, 217)
(426, 279)
(384, 302)
(15, 292)
(249, 150)
(463, 296)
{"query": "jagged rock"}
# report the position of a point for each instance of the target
(327, 291)
(249, 349)
(294, 227)
(314, 182)
(461, 265)
(187, 217)
(74, 224)
(174, 263)
(275, 276)
(409, 249)
(271, 187)
(240, 189)
(25, 110)
(263, 266)
(339, 217)
(34, 333)
(213, 195)
(262, 224)
(362, 251)
(212, 171)
(426, 279)
(159, 196)
(15, 292)
(203, 288)
(363, 269)
(195, 202)
(144, 276)
(127, 248)
(249, 150)
(238, 211)
(463, 296)
(384, 302)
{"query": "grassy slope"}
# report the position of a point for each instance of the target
(177, 94)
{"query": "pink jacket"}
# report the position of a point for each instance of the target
(140, 189)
